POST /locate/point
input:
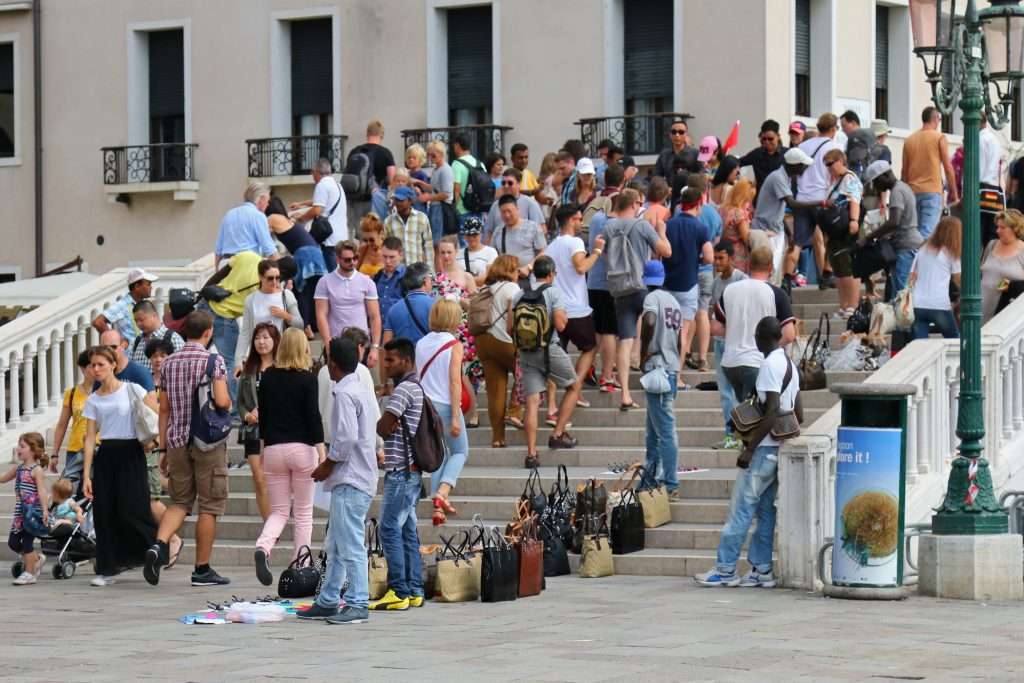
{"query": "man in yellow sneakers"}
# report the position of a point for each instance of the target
(401, 417)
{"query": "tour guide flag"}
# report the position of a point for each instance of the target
(868, 549)
(732, 140)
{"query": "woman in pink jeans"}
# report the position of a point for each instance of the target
(293, 437)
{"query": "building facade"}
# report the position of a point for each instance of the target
(156, 113)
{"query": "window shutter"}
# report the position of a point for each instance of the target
(881, 47)
(312, 70)
(647, 42)
(166, 73)
(470, 64)
(802, 32)
(7, 68)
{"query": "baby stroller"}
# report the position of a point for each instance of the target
(70, 544)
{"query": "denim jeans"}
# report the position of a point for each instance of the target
(753, 495)
(662, 442)
(943, 320)
(381, 205)
(398, 532)
(929, 211)
(901, 272)
(743, 380)
(436, 216)
(225, 338)
(330, 258)
(346, 552)
(726, 395)
(458, 450)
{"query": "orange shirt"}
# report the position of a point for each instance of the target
(923, 161)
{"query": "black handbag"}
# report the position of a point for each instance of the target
(301, 579)
(556, 552)
(627, 527)
(533, 494)
(860, 321)
(499, 575)
(449, 220)
(812, 364)
(561, 501)
(321, 229)
(591, 503)
(834, 218)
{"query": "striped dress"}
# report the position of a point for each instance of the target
(27, 494)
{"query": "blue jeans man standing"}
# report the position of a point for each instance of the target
(929, 211)
(662, 442)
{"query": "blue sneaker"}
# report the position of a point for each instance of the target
(717, 578)
(350, 615)
(315, 611)
(755, 579)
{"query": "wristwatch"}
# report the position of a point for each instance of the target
(375, 346)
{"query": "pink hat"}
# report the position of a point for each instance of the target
(708, 147)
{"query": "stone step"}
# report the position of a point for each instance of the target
(605, 436)
(821, 398)
(812, 295)
(637, 419)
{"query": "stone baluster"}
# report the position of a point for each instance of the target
(28, 404)
(912, 447)
(3, 395)
(1005, 403)
(952, 382)
(1018, 390)
(43, 398)
(70, 359)
(922, 408)
(55, 361)
(82, 341)
(15, 390)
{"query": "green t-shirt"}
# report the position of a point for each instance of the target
(461, 174)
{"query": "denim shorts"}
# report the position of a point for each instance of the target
(688, 301)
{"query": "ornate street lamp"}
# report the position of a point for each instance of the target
(966, 59)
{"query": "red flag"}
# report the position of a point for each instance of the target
(733, 139)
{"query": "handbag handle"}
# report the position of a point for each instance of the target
(302, 558)
(532, 484)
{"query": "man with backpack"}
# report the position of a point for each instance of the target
(194, 427)
(369, 169)
(401, 416)
(629, 244)
(861, 146)
(151, 327)
(538, 315)
(474, 191)
(409, 318)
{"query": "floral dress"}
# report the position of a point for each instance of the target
(444, 286)
(26, 493)
(731, 220)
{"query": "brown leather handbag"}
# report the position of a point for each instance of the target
(530, 550)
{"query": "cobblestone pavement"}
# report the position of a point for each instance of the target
(654, 629)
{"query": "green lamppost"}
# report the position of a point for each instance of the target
(974, 61)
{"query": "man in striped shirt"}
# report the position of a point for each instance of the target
(400, 418)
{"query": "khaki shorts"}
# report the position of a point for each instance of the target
(196, 475)
(536, 373)
(156, 489)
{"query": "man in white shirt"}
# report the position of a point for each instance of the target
(476, 257)
(813, 186)
(571, 266)
(511, 184)
(990, 172)
(329, 200)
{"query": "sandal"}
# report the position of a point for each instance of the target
(443, 504)
(691, 363)
(624, 407)
(438, 519)
(497, 444)
(515, 422)
(174, 555)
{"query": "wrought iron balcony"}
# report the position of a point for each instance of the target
(159, 163)
(636, 134)
(483, 138)
(296, 155)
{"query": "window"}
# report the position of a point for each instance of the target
(802, 58)
(312, 78)
(470, 66)
(6, 100)
(648, 58)
(167, 103)
(881, 62)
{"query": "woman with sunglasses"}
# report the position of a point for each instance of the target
(268, 304)
(309, 257)
(842, 240)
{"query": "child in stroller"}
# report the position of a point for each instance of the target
(70, 541)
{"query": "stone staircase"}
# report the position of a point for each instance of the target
(493, 478)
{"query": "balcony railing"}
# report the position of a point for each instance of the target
(296, 155)
(166, 162)
(637, 134)
(483, 138)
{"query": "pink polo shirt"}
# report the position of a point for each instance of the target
(347, 297)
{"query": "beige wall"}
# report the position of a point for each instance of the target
(16, 181)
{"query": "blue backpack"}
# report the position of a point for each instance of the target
(210, 425)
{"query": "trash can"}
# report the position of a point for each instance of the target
(871, 453)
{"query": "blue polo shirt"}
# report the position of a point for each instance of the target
(402, 325)
(712, 220)
(687, 236)
(389, 289)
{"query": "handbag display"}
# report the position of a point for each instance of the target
(627, 528)
(556, 550)
(812, 364)
(147, 422)
(557, 515)
(499, 568)
(533, 493)
(458, 577)
(530, 555)
(591, 503)
(653, 499)
(301, 579)
(597, 560)
(428, 568)
(377, 569)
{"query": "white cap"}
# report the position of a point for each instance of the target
(137, 274)
(585, 166)
(875, 169)
(797, 157)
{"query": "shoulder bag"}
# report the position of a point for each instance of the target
(653, 499)
(596, 555)
(457, 578)
(812, 364)
(464, 399)
(301, 578)
(627, 528)
(530, 552)
(557, 517)
(591, 503)
(746, 416)
(377, 563)
(321, 229)
(147, 422)
(499, 573)
(533, 494)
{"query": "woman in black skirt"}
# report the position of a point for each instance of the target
(262, 347)
(118, 485)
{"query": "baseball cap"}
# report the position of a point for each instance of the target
(405, 193)
(795, 156)
(875, 169)
(654, 273)
(472, 226)
(139, 274)
(798, 126)
(708, 147)
(585, 166)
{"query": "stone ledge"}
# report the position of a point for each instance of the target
(972, 567)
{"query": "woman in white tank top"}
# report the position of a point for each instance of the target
(439, 362)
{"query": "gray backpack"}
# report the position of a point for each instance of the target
(625, 264)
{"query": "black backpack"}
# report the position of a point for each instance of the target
(358, 180)
(478, 195)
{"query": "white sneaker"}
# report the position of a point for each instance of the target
(25, 579)
(102, 581)
(39, 565)
(754, 579)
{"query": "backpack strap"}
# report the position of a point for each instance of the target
(465, 254)
(412, 316)
(437, 353)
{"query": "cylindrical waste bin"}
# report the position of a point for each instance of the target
(871, 452)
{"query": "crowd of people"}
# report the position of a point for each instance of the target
(424, 282)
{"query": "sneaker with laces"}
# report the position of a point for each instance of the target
(25, 579)
(755, 579)
(564, 440)
(102, 581)
(350, 615)
(416, 601)
(209, 578)
(717, 578)
(390, 602)
(39, 565)
(730, 442)
(316, 611)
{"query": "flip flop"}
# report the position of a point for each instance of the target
(625, 407)
(174, 555)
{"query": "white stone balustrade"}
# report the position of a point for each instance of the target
(38, 350)
(807, 464)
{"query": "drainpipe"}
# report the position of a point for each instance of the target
(37, 129)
